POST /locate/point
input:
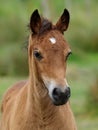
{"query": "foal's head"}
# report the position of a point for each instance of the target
(49, 51)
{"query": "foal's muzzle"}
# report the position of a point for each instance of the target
(60, 97)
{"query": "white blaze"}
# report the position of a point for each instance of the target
(52, 40)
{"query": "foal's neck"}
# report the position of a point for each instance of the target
(39, 102)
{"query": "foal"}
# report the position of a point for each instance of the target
(41, 102)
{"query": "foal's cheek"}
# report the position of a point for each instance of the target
(41, 68)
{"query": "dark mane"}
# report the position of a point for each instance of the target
(46, 26)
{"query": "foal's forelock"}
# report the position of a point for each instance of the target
(46, 25)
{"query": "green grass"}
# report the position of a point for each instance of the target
(87, 124)
(81, 75)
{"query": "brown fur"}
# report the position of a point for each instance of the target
(26, 105)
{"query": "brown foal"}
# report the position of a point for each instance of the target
(42, 102)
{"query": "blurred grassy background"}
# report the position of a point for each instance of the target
(82, 35)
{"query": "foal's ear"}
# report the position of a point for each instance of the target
(35, 22)
(63, 22)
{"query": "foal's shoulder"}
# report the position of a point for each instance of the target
(11, 92)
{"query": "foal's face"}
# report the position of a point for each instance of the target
(50, 52)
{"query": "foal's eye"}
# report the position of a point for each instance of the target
(68, 55)
(37, 54)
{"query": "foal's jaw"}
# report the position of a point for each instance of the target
(58, 94)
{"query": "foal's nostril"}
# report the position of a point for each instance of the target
(56, 93)
(68, 92)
